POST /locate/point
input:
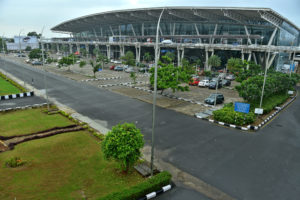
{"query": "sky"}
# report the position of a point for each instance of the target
(23, 16)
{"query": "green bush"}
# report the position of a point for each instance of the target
(228, 115)
(150, 185)
(271, 102)
(14, 162)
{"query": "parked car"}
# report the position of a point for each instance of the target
(27, 60)
(112, 67)
(129, 70)
(207, 78)
(118, 68)
(213, 85)
(226, 82)
(214, 96)
(166, 42)
(194, 81)
(144, 69)
(203, 83)
(36, 62)
(230, 77)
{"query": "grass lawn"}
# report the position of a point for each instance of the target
(64, 166)
(7, 88)
(28, 121)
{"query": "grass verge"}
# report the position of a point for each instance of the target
(8, 86)
(29, 121)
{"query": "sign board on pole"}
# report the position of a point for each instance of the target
(290, 92)
(259, 111)
(241, 107)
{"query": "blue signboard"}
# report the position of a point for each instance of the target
(292, 67)
(241, 107)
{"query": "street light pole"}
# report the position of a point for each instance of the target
(20, 41)
(45, 82)
(263, 88)
(20, 52)
(155, 90)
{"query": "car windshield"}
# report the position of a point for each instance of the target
(212, 96)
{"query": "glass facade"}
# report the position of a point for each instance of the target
(262, 33)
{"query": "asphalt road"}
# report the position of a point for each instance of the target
(263, 165)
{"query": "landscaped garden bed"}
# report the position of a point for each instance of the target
(65, 166)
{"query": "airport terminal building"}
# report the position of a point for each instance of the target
(254, 34)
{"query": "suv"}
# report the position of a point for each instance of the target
(214, 96)
(213, 84)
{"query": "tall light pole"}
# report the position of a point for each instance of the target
(43, 57)
(20, 41)
(20, 52)
(263, 88)
(155, 90)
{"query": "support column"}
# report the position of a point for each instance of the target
(254, 57)
(270, 61)
(138, 53)
(57, 47)
(87, 50)
(71, 48)
(206, 59)
(108, 51)
(180, 55)
(243, 55)
(249, 58)
(78, 47)
(122, 50)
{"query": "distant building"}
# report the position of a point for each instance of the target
(22, 42)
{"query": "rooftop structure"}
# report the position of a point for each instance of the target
(251, 31)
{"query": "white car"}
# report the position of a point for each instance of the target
(203, 83)
(167, 42)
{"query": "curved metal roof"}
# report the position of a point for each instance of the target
(248, 16)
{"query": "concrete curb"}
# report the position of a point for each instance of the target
(14, 96)
(24, 107)
(156, 193)
(150, 91)
(99, 79)
(249, 127)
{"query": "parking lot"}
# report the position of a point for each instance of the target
(120, 82)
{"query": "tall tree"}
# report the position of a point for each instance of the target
(235, 65)
(129, 59)
(102, 59)
(214, 61)
(95, 66)
(67, 61)
(123, 144)
(3, 45)
(33, 33)
(170, 77)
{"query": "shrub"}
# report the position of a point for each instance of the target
(150, 185)
(228, 115)
(14, 162)
(123, 144)
(271, 102)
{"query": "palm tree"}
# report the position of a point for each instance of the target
(214, 61)
(147, 57)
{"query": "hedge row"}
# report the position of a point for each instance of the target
(228, 115)
(13, 83)
(271, 102)
(150, 185)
